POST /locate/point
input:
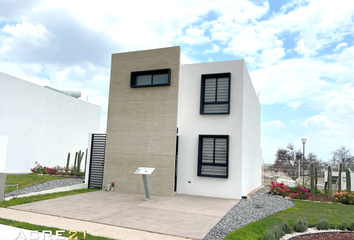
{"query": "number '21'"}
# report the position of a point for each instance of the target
(74, 234)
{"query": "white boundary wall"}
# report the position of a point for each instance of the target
(39, 124)
(191, 124)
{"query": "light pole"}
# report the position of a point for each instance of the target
(303, 159)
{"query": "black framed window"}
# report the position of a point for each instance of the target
(151, 78)
(215, 93)
(213, 157)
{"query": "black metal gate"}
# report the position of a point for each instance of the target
(98, 146)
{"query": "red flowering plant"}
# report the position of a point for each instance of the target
(279, 189)
(51, 171)
(302, 193)
(39, 169)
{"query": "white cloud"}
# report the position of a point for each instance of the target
(320, 121)
(341, 45)
(194, 36)
(273, 125)
(214, 49)
(289, 136)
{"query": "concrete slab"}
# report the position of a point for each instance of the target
(183, 215)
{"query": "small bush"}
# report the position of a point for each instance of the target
(343, 226)
(302, 193)
(278, 232)
(300, 224)
(279, 189)
(274, 232)
(269, 234)
(351, 227)
(331, 226)
(286, 228)
(322, 223)
(343, 197)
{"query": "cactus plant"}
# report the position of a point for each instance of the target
(347, 172)
(81, 155)
(67, 163)
(313, 191)
(85, 161)
(316, 180)
(329, 182)
(340, 178)
(74, 170)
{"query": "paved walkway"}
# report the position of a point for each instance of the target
(126, 216)
(96, 229)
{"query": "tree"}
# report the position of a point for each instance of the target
(287, 161)
(342, 155)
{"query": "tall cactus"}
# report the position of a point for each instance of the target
(316, 180)
(81, 155)
(313, 190)
(74, 170)
(67, 163)
(329, 181)
(85, 161)
(340, 178)
(347, 172)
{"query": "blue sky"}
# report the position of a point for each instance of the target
(300, 54)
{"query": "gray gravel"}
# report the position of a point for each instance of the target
(46, 186)
(260, 205)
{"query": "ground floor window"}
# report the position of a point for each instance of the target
(213, 159)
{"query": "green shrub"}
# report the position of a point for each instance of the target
(278, 232)
(331, 226)
(300, 224)
(274, 232)
(286, 228)
(322, 223)
(351, 227)
(269, 234)
(343, 226)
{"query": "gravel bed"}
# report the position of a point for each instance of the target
(46, 186)
(259, 206)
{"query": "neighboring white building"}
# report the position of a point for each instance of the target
(40, 125)
(214, 109)
(218, 175)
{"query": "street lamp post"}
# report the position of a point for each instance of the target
(303, 159)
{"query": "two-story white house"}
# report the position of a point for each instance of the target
(197, 124)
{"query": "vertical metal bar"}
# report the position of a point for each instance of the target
(214, 152)
(89, 180)
(146, 187)
(216, 89)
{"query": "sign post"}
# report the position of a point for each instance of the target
(2, 186)
(144, 171)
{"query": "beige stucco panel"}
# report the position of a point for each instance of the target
(142, 122)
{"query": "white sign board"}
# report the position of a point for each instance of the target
(144, 171)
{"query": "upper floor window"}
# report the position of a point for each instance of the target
(215, 93)
(151, 78)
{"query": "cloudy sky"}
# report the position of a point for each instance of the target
(300, 54)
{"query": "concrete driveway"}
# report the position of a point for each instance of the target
(182, 215)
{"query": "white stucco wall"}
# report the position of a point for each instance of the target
(42, 125)
(191, 124)
(251, 137)
(3, 150)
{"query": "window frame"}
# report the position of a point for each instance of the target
(200, 152)
(202, 91)
(135, 74)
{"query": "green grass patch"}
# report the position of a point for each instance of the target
(336, 213)
(40, 228)
(36, 198)
(25, 180)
